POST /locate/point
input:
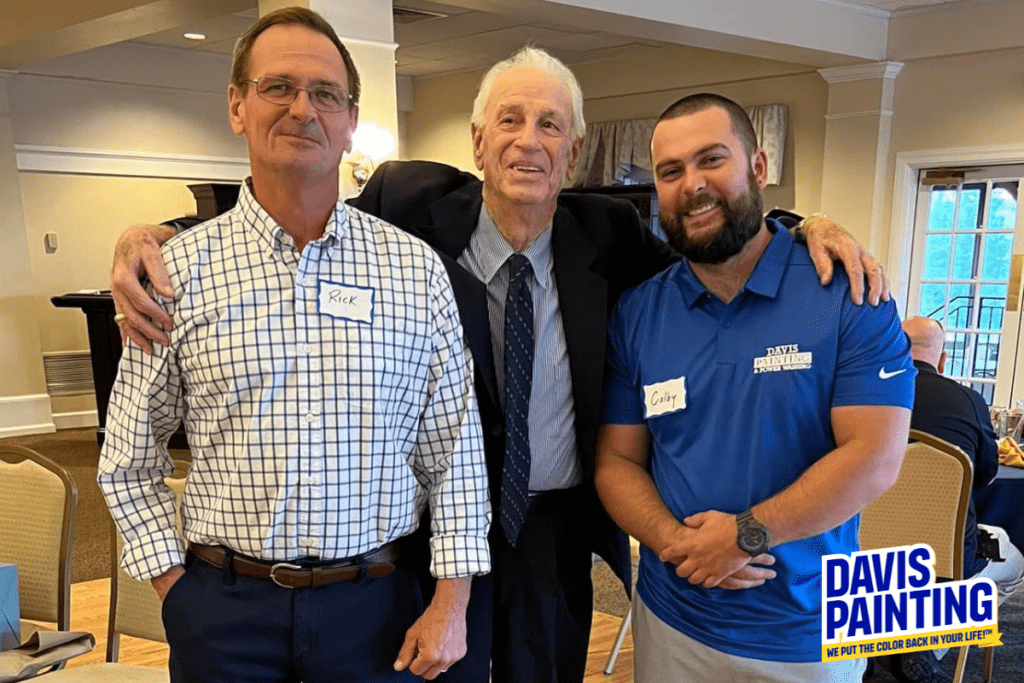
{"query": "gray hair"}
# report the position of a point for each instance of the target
(538, 59)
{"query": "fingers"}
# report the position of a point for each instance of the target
(850, 254)
(822, 260)
(138, 253)
(408, 651)
(752, 572)
(878, 285)
(699, 576)
(153, 266)
(695, 521)
(732, 583)
(430, 662)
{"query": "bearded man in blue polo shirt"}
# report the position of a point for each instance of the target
(748, 410)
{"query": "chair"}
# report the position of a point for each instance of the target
(613, 656)
(38, 499)
(135, 611)
(927, 504)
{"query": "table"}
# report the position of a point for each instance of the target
(1001, 503)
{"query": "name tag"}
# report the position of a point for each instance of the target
(665, 397)
(346, 302)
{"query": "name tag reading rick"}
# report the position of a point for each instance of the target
(346, 302)
(665, 397)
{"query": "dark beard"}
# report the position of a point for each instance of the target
(743, 218)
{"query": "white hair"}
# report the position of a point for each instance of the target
(538, 59)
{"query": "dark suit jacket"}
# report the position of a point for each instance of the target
(958, 414)
(600, 248)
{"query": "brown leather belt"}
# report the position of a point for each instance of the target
(376, 564)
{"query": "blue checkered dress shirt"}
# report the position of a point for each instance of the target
(317, 429)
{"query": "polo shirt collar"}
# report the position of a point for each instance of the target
(765, 279)
(490, 249)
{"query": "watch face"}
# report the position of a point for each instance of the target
(752, 538)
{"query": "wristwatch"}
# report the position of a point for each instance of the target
(751, 535)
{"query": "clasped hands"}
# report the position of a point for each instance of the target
(704, 551)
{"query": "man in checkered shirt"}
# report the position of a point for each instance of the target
(317, 360)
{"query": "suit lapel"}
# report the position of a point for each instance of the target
(453, 220)
(582, 300)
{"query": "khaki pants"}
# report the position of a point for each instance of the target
(662, 654)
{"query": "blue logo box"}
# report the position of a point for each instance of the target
(10, 622)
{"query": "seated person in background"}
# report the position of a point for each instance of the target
(959, 415)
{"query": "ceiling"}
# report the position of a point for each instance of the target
(436, 38)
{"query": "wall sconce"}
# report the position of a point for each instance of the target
(371, 144)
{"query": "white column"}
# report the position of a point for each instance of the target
(855, 171)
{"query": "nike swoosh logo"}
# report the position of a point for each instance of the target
(882, 374)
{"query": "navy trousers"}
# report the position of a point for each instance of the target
(544, 598)
(226, 629)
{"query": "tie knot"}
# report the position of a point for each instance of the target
(519, 267)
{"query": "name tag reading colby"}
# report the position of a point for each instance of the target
(344, 301)
(665, 397)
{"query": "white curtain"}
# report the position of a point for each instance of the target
(613, 150)
(771, 121)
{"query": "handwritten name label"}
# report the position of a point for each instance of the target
(343, 301)
(665, 397)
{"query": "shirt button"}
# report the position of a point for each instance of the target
(309, 417)
(496, 430)
(307, 348)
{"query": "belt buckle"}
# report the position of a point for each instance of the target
(282, 565)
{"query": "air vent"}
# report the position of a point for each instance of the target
(406, 15)
(68, 373)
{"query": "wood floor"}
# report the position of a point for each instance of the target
(90, 603)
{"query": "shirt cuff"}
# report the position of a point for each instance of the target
(455, 557)
(150, 556)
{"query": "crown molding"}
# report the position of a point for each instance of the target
(69, 160)
(861, 72)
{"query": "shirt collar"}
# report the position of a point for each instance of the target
(765, 279)
(271, 235)
(490, 249)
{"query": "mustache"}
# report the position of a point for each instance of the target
(700, 200)
(310, 131)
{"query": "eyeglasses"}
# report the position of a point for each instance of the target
(326, 98)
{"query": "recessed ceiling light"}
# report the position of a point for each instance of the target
(194, 36)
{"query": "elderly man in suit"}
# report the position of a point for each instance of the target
(519, 251)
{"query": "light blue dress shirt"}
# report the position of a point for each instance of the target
(554, 463)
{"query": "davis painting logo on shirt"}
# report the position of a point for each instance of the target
(784, 357)
(886, 601)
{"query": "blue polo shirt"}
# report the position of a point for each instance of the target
(737, 398)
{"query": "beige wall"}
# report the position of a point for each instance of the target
(953, 102)
(438, 128)
(121, 100)
(95, 102)
(87, 213)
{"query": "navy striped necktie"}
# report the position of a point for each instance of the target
(515, 476)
